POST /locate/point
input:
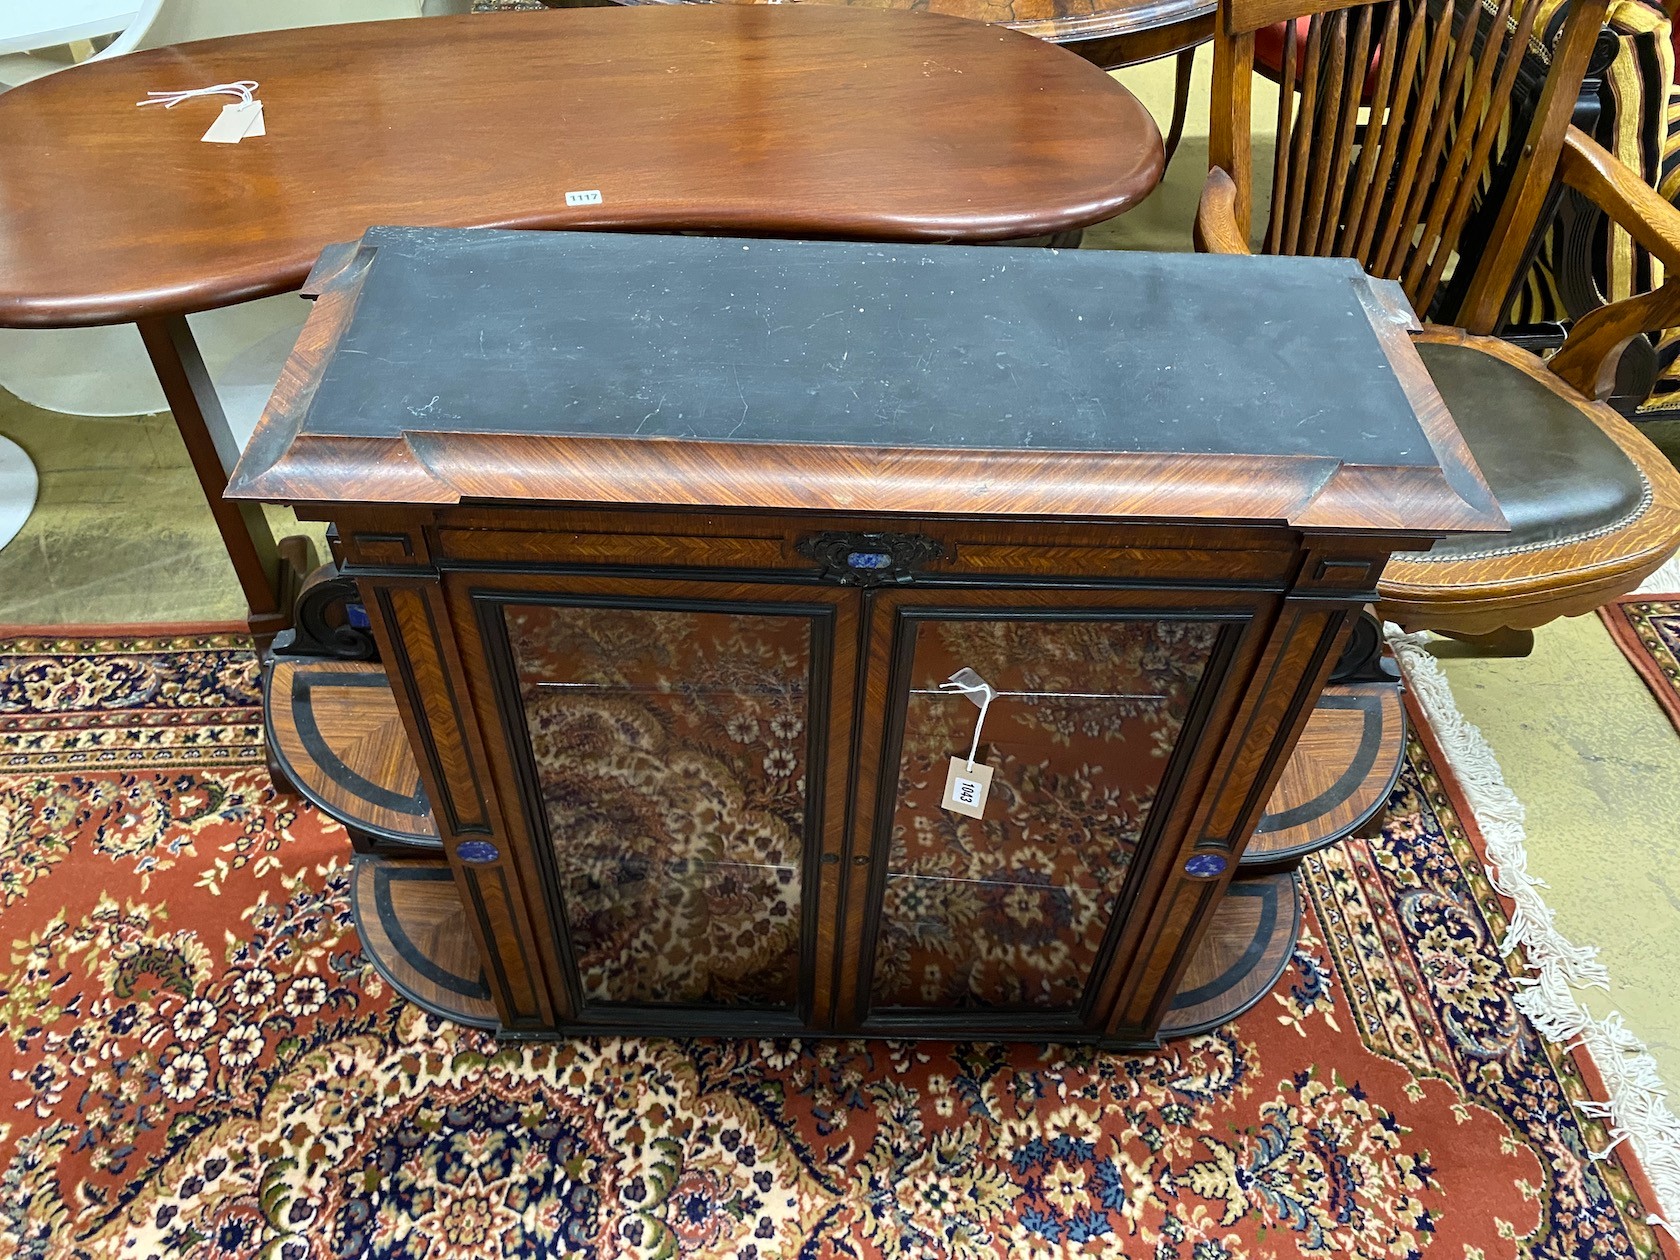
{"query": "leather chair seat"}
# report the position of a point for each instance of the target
(1558, 476)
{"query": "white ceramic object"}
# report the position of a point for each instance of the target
(27, 24)
(105, 371)
(18, 487)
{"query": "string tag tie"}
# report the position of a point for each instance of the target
(236, 121)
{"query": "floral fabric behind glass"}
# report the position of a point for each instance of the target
(670, 750)
(1008, 911)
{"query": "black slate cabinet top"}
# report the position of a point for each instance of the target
(444, 366)
(906, 346)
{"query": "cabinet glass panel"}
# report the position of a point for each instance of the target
(670, 750)
(1008, 911)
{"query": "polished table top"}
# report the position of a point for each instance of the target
(1059, 21)
(788, 120)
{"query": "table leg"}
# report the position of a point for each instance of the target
(1185, 66)
(264, 575)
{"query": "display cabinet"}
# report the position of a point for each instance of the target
(705, 654)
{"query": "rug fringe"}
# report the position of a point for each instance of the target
(1665, 581)
(1637, 1108)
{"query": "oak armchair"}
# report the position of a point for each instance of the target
(1593, 506)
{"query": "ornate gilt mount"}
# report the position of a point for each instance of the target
(854, 559)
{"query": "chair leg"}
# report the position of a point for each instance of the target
(1181, 100)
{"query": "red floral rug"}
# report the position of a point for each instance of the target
(1647, 629)
(196, 1060)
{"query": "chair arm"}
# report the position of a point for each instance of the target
(1597, 174)
(1592, 350)
(1217, 230)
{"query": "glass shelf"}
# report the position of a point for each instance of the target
(794, 692)
(724, 934)
(1008, 911)
(670, 751)
(965, 944)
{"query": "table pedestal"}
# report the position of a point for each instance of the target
(269, 571)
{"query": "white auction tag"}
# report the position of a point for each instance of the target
(235, 122)
(591, 197)
(976, 688)
(966, 786)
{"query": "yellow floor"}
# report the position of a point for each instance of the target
(121, 532)
(122, 535)
(1596, 764)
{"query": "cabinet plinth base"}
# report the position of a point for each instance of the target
(417, 935)
(335, 736)
(414, 930)
(1246, 948)
(1340, 776)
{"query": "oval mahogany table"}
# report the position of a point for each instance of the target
(1110, 34)
(791, 121)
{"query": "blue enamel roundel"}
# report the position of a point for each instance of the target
(1205, 865)
(477, 851)
(868, 560)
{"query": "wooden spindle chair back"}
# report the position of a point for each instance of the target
(1386, 169)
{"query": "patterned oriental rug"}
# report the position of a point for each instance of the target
(1647, 629)
(196, 1059)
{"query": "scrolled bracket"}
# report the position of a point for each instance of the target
(328, 621)
(856, 559)
(1362, 658)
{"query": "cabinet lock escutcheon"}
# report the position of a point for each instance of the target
(864, 559)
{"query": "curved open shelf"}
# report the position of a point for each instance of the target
(1246, 948)
(1344, 767)
(416, 933)
(335, 734)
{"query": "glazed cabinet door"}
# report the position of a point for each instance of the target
(679, 749)
(1003, 923)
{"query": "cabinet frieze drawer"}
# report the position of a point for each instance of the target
(616, 550)
(393, 548)
(1247, 566)
(960, 556)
